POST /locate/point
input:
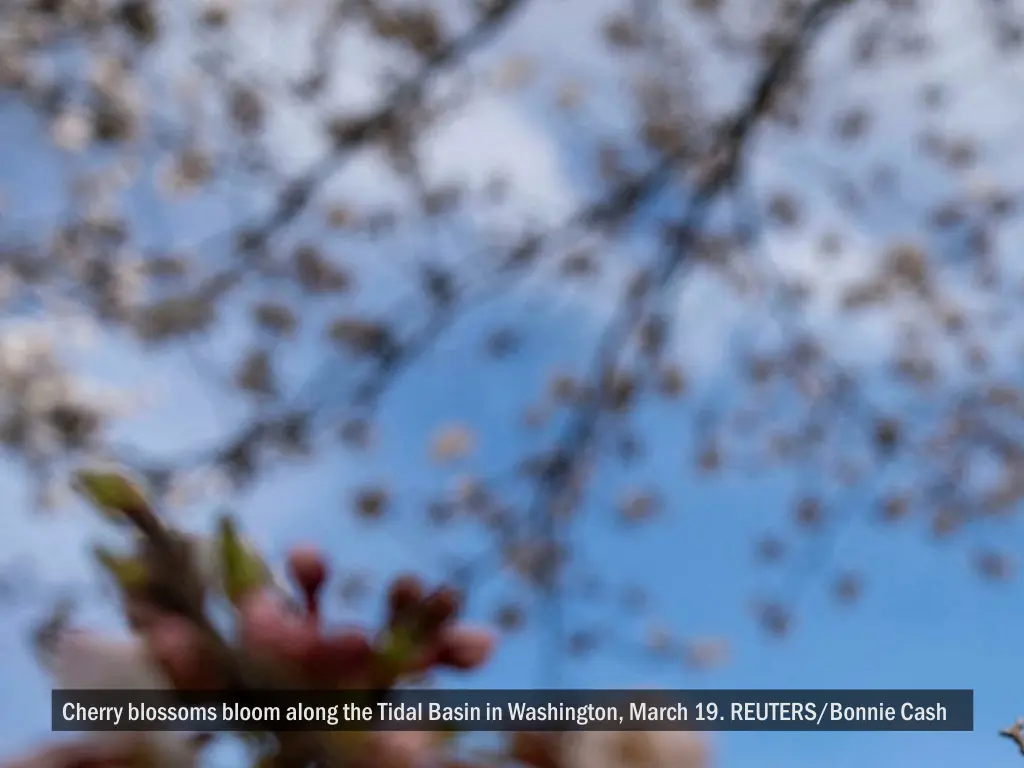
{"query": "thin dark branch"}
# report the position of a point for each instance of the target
(622, 200)
(294, 198)
(578, 437)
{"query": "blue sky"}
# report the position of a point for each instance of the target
(924, 621)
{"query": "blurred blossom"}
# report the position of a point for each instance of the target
(44, 407)
(635, 749)
(86, 660)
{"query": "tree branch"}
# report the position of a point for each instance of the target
(578, 436)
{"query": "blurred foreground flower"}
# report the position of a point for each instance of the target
(85, 660)
(280, 643)
(635, 749)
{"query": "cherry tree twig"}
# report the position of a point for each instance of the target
(579, 434)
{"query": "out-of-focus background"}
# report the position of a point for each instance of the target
(684, 335)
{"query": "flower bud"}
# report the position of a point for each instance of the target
(440, 607)
(308, 569)
(465, 648)
(405, 594)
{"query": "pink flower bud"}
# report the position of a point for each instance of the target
(404, 595)
(465, 648)
(268, 627)
(308, 568)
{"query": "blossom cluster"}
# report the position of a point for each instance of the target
(172, 582)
